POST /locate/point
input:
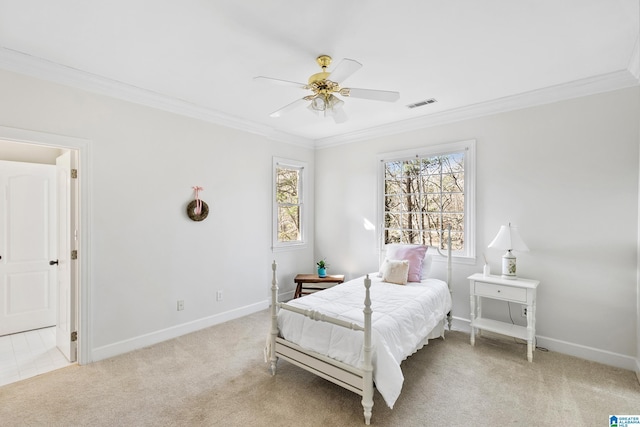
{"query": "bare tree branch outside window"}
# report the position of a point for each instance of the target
(422, 196)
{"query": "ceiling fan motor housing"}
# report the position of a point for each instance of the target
(319, 82)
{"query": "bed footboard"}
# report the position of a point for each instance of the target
(344, 375)
(357, 380)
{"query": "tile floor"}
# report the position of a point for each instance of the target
(29, 354)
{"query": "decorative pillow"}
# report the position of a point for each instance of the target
(395, 271)
(413, 253)
(426, 266)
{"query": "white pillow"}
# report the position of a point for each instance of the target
(395, 271)
(426, 267)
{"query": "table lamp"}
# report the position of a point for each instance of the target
(508, 239)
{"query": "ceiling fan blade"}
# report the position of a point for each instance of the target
(345, 68)
(280, 82)
(376, 95)
(288, 107)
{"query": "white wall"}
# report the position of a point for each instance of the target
(145, 252)
(565, 173)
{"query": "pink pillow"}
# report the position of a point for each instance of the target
(412, 253)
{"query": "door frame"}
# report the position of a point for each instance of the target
(82, 146)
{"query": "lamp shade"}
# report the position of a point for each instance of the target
(318, 104)
(508, 238)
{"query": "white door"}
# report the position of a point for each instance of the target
(67, 272)
(27, 245)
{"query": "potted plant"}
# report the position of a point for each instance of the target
(322, 268)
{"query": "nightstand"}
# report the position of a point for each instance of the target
(310, 283)
(520, 291)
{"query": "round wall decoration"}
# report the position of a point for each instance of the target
(192, 210)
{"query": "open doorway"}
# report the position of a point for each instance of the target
(63, 278)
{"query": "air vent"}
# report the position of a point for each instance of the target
(421, 103)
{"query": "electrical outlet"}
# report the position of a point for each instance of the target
(219, 296)
(180, 305)
(524, 311)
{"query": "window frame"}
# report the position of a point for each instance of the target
(302, 195)
(468, 255)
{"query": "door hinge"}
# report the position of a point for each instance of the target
(74, 173)
(74, 336)
(74, 254)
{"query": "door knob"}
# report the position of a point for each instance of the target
(53, 262)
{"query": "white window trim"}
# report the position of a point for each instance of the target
(302, 243)
(469, 255)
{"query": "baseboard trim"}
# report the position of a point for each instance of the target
(121, 347)
(589, 353)
(458, 324)
(577, 350)
(285, 296)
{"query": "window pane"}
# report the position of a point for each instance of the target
(453, 163)
(288, 223)
(431, 221)
(394, 203)
(287, 185)
(431, 184)
(393, 236)
(457, 241)
(452, 183)
(433, 239)
(453, 202)
(394, 186)
(456, 221)
(392, 168)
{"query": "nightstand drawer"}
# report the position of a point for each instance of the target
(501, 292)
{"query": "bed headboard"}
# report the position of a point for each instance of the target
(430, 253)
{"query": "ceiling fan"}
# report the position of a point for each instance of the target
(325, 86)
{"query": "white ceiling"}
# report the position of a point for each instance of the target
(199, 57)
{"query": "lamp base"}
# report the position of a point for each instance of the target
(509, 266)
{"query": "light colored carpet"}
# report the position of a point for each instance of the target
(217, 377)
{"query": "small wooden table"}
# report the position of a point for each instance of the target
(310, 283)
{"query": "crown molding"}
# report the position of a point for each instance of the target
(22, 63)
(29, 65)
(589, 86)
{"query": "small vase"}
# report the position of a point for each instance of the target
(486, 270)
(322, 272)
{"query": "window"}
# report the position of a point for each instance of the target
(424, 191)
(288, 203)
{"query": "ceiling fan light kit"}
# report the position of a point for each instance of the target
(323, 100)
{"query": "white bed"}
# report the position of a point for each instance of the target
(327, 333)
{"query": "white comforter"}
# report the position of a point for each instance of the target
(403, 316)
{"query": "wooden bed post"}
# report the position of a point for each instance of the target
(274, 319)
(367, 390)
